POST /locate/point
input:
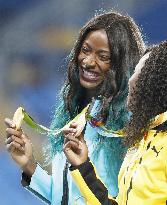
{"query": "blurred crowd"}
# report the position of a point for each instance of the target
(36, 37)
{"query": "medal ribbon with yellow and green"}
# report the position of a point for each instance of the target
(81, 119)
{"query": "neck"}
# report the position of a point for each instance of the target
(91, 94)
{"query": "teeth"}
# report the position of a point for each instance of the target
(90, 74)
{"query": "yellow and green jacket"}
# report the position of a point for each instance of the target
(142, 178)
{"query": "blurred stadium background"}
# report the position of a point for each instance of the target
(35, 39)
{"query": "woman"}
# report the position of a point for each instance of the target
(108, 48)
(143, 174)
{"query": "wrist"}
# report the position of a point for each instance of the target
(73, 167)
(30, 167)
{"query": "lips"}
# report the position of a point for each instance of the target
(89, 75)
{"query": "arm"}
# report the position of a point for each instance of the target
(84, 175)
(40, 184)
(90, 185)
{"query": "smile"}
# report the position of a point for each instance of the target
(89, 75)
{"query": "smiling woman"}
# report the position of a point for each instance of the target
(94, 61)
(106, 51)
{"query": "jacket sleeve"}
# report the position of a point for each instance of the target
(91, 187)
(40, 184)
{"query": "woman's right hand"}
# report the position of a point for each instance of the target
(20, 148)
(75, 149)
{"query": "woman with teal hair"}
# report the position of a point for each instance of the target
(104, 56)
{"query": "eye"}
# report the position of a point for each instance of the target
(104, 58)
(85, 49)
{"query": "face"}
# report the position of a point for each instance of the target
(134, 77)
(94, 59)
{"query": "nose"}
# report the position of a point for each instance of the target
(89, 61)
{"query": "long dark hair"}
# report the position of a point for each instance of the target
(126, 47)
(150, 94)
